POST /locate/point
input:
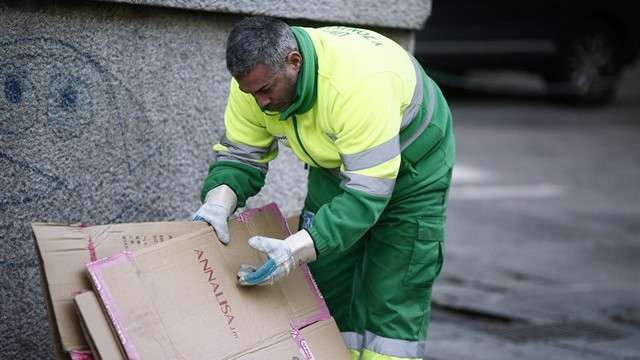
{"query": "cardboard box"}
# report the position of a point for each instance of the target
(64, 249)
(96, 328)
(293, 221)
(181, 300)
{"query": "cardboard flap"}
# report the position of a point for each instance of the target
(181, 300)
(322, 341)
(97, 329)
(64, 249)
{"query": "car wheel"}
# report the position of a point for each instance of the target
(588, 68)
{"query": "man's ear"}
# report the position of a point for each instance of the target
(294, 60)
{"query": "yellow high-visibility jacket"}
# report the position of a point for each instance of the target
(362, 106)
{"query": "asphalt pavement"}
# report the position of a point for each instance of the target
(543, 231)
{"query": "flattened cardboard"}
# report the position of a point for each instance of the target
(181, 300)
(318, 341)
(321, 340)
(96, 328)
(293, 221)
(64, 249)
(80, 355)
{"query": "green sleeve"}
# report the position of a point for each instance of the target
(245, 180)
(335, 227)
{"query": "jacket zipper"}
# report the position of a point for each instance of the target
(295, 128)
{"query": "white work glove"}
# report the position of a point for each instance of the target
(219, 203)
(284, 255)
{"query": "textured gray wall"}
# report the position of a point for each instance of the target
(108, 112)
(405, 14)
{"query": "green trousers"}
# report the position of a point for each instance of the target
(379, 290)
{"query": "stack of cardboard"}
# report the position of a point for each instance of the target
(168, 291)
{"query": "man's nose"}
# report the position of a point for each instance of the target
(262, 100)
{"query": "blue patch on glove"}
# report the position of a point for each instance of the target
(199, 218)
(262, 273)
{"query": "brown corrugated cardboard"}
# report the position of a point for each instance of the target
(293, 221)
(96, 328)
(181, 300)
(325, 340)
(64, 249)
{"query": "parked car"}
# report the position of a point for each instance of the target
(579, 47)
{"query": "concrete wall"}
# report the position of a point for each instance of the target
(407, 14)
(108, 112)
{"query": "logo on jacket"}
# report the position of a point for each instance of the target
(331, 136)
(282, 138)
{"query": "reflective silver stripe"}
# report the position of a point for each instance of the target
(368, 184)
(245, 154)
(224, 156)
(372, 157)
(426, 121)
(393, 347)
(335, 172)
(353, 340)
(246, 151)
(418, 93)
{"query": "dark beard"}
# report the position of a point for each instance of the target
(289, 96)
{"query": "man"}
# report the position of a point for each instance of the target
(376, 133)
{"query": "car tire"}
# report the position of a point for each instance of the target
(588, 67)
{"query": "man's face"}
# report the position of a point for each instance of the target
(272, 90)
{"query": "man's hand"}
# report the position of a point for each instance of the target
(219, 203)
(217, 216)
(284, 255)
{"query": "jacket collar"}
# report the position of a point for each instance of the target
(306, 82)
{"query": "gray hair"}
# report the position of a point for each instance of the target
(259, 40)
